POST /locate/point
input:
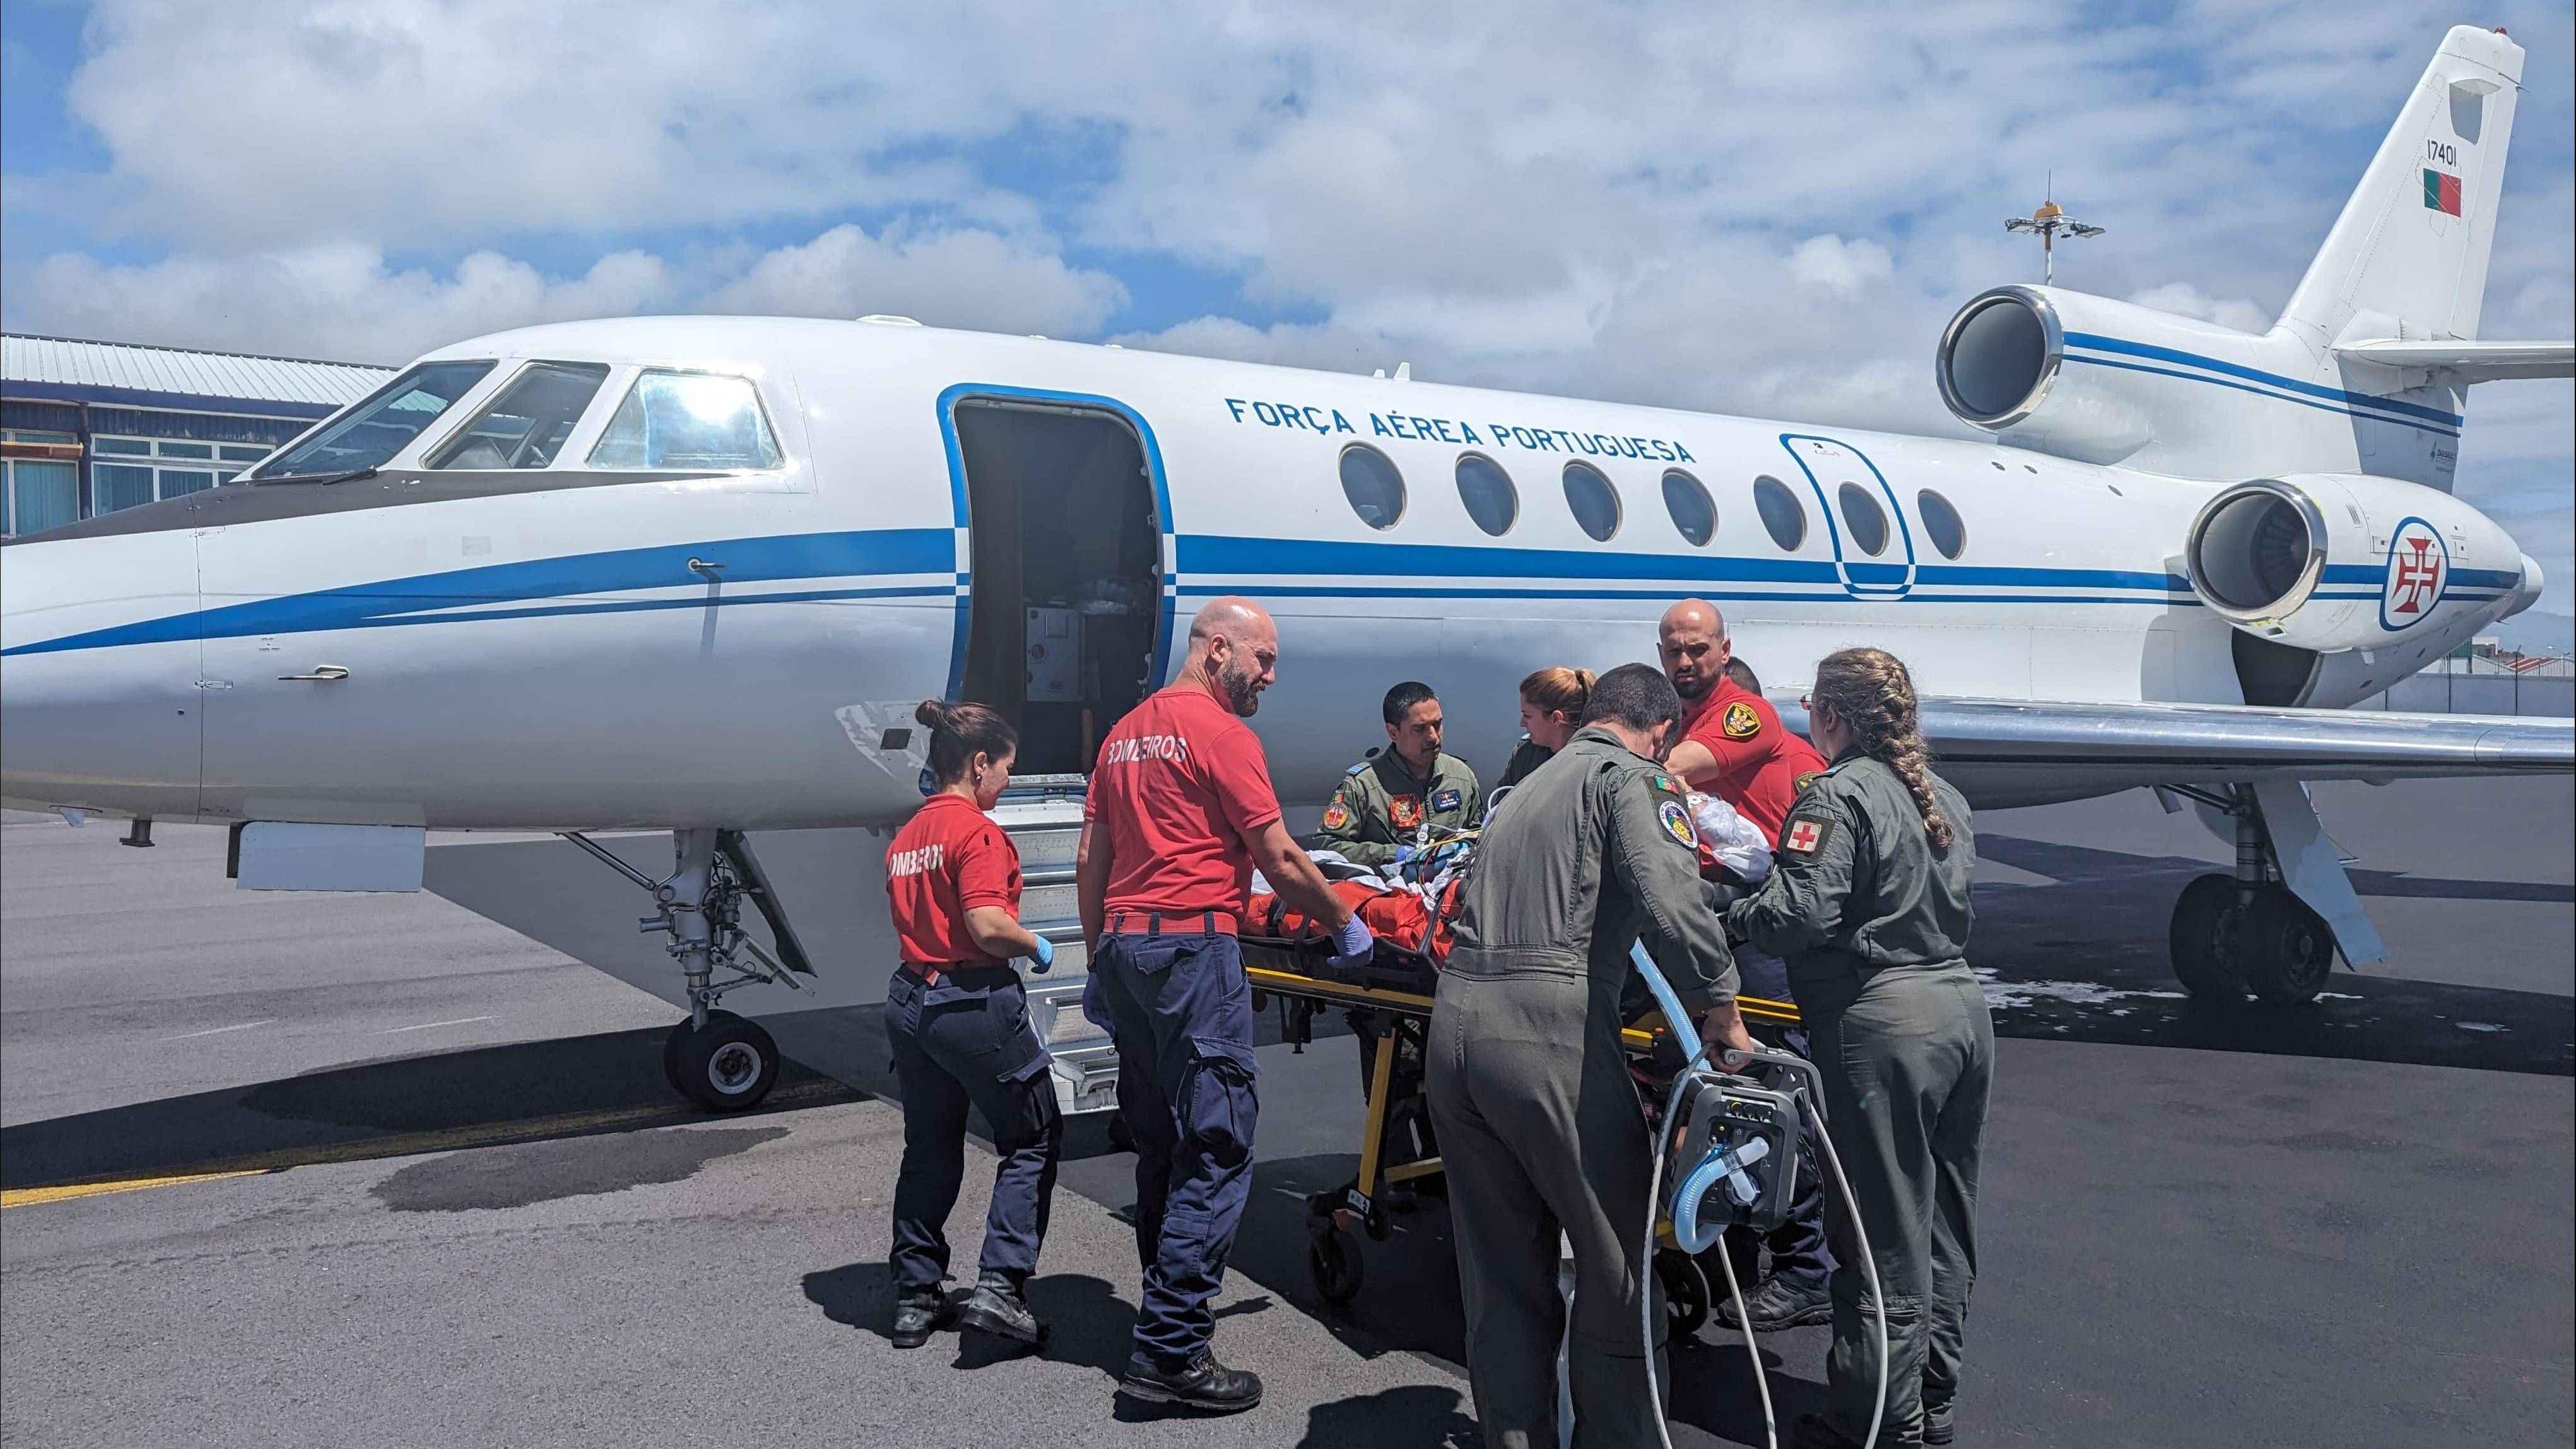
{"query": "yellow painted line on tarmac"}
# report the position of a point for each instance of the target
(31, 1196)
(414, 1144)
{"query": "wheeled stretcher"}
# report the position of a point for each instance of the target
(1388, 1003)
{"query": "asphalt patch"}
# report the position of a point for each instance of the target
(509, 1177)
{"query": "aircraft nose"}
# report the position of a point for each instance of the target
(99, 702)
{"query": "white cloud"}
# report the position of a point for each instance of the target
(1735, 209)
(341, 300)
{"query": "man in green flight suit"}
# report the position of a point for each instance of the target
(1388, 799)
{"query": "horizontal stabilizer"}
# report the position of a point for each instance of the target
(2018, 752)
(2469, 362)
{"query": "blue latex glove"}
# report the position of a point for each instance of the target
(1355, 945)
(1044, 955)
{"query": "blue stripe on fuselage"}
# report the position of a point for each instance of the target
(2100, 343)
(785, 556)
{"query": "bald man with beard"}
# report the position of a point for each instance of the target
(1179, 813)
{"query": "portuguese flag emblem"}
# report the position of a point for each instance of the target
(2441, 192)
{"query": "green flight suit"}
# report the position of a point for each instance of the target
(1873, 922)
(1537, 1120)
(1381, 804)
(1528, 755)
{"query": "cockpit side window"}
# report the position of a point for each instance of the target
(687, 420)
(371, 433)
(527, 424)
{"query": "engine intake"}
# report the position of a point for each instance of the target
(1999, 355)
(2257, 551)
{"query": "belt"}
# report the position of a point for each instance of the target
(1150, 923)
(929, 972)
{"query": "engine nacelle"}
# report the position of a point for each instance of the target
(2089, 378)
(2326, 562)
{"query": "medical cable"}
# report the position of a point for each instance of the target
(1687, 1036)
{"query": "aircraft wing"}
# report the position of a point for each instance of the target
(2027, 752)
(2469, 362)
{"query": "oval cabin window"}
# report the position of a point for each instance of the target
(1594, 502)
(1374, 487)
(1783, 516)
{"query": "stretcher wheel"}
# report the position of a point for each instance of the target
(1685, 1292)
(1333, 1261)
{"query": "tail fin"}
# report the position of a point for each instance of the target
(2408, 257)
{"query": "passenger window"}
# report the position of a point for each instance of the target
(1782, 514)
(1594, 502)
(1866, 520)
(1690, 507)
(1374, 487)
(369, 435)
(1948, 531)
(687, 420)
(527, 424)
(1488, 493)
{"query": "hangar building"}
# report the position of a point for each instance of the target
(91, 427)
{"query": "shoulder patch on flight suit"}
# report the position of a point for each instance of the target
(1677, 823)
(1665, 784)
(1336, 815)
(1405, 811)
(1357, 770)
(1449, 799)
(1805, 778)
(1740, 722)
(1805, 834)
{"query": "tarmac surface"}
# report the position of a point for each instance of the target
(464, 1208)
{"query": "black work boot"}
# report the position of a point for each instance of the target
(1777, 1305)
(919, 1315)
(996, 1307)
(1200, 1383)
(1938, 1427)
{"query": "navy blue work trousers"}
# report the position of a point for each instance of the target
(1176, 1002)
(960, 1041)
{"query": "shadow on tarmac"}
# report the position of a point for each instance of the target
(481, 1097)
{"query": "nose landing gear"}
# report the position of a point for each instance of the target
(2248, 933)
(718, 1059)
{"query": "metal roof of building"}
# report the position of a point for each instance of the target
(177, 372)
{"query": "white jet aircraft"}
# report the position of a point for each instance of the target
(692, 573)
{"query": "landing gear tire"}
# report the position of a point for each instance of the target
(1333, 1262)
(2205, 938)
(2287, 950)
(728, 1065)
(1686, 1291)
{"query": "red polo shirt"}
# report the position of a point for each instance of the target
(947, 859)
(1179, 783)
(1759, 763)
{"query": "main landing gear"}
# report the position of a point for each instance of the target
(722, 1061)
(2247, 933)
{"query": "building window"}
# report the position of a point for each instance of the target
(175, 469)
(1374, 487)
(40, 495)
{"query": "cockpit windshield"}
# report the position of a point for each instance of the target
(381, 426)
(528, 422)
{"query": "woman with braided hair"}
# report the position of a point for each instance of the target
(1869, 906)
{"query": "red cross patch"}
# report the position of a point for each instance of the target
(1805, 837)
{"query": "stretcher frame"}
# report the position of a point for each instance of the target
(1383, 1012)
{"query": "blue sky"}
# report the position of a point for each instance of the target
(1660, 202)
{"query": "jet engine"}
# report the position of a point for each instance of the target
(2326, 562)
(2093, 379)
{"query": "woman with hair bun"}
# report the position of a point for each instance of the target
(1552, 701)
(1869, 906)
(958, 1019)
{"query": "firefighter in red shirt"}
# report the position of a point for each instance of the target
(958, 1019)
(1179, 812)
(1736, 749)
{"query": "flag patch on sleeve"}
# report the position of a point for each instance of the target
(1805, 836)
